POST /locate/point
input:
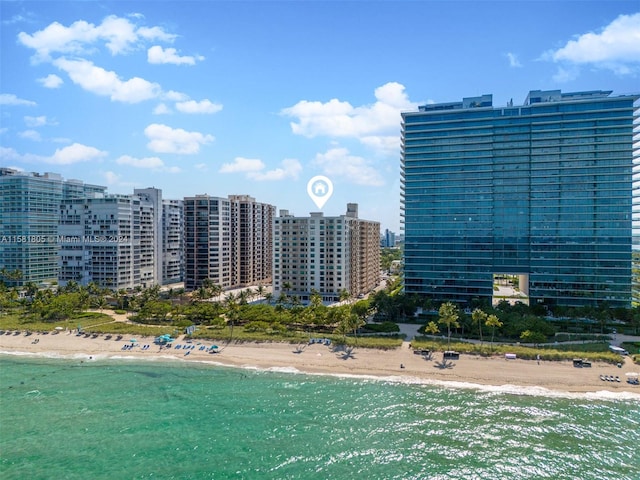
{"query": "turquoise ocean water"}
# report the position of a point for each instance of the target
(131, 419)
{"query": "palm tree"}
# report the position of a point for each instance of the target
(432, 328)
(71, 286)
(345, 295)
(286, 288)
(202, 293)
(448, 316)
(315, 299)
(216, 291)
(206, 284)
(11, 275)
(243, 297)
(99, 302)
(493, 322)
(31, 289)
(230, 301)
(479, 317)
(93, 288)
(268, 297)
(120, 296)
(282, 299)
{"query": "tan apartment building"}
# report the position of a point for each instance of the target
(325, 254)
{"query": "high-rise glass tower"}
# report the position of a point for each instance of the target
(540, 192)
(29, 216)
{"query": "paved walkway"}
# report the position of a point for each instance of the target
(409, 329)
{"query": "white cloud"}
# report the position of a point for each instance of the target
(290, 168)
(513, 60)
(72, 154)
(615, 47)
(164, 139)
(337, 118)
(244, 165)
(58, 38)
(201, 166)
(69, 155)
(35, 121)
(18, 18)
(10, 155)
(174, 96)
(159, 55)
(161, 109)
(51, 81)
(254, 169)
(30, 135)
(76, 153)
(118, 34)
(387, 145)
(564, 75)
(102, 82)
(203, 106)
(68, 48)
(338, 162)
(111, 178)
(153, 163)
(148, 162)
(11, 99)
(156, 33)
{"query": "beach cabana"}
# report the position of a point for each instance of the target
(164, 339)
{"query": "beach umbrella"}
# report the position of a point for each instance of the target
(632, 374)
(133, 340)
(59, 328)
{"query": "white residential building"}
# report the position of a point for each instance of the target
(325, 254)
(29, 216)
(109, 240)
(172, 241)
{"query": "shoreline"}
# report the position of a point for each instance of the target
(400, 364)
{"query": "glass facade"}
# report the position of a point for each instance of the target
(29, 216)
(542, 190)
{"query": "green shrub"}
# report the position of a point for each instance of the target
(384, 327)
(526, 353)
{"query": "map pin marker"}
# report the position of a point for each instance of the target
(320, 190)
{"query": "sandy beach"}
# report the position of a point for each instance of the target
(324, 359)
(319, 358)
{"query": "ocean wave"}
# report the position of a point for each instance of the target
(506, 389)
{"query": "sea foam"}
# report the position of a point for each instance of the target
(506, 389)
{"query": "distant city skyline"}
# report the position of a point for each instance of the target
(257, 98)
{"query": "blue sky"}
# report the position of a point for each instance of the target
(258, 97)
